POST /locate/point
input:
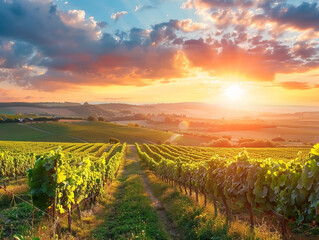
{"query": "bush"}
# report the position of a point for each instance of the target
(227, 137)
(222, 142)
(257, 144)
(92, 118)
(133, 125)
(278, 139)
(245, 140)
(101, 119)
(114, 140)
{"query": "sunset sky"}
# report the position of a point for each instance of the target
(144, 51)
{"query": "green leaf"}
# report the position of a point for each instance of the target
(18, 236)
(315, 150)
(300, 219)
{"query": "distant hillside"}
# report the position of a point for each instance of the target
(57, 109)
(190, 109)
(111, 110)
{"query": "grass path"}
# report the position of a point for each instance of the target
(134, 212)
(169, 227)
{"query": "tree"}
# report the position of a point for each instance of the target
(92, 118)
(278, 139)
(114, 140)
(101, 119)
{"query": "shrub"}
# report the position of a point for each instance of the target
(257, 144)
(114, 140)
(278, 139)
(101, 119)
(227, 137)
(92, 118)
(222, 142)
(133, 125)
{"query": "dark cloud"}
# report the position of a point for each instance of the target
(56, 41)
(102, 24)
(303, 16)
(304, 50)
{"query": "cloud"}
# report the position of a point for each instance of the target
(76, 19)
(153, 5)
(283, 13)
(208, 4)
(187, 25)
(262, 61)
(298, 85)
(143, 7)
(303, 16)
(304, 50)
(45, 48)
(8, 95)
(115, 99)
(56, 49)
(118, 15)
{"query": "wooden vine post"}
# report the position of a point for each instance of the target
(251, 213)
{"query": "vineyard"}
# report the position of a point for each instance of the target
(65, 181)
(61, 176)
(286, 188)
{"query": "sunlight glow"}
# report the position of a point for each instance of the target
(234, 92)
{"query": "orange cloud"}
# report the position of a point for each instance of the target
(187, 25)
(298, 85)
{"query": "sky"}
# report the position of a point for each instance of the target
(261, 52)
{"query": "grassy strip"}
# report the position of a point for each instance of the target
(200, 223)
(16, 216)
(131, 216)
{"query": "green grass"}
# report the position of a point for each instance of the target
(87, 131)
(198, 222)
(16, 215)
(18, 220)
(20, 132)
(190, 219)
(16, 116)
(102, 132)
(189, 140)
(131, 215)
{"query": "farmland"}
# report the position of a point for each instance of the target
(159, 120)
(178, 178)
(80, 132)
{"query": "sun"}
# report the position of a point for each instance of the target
(234, 92)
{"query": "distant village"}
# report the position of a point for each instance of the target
(5, 119)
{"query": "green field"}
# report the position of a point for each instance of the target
(80, 132)
(20, 132)
(102, 131)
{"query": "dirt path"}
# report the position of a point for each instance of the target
(170, 228)
(45, 131)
